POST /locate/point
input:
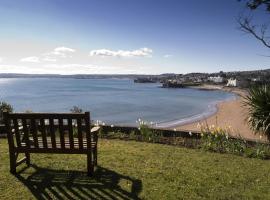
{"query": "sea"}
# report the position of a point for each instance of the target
(113, 101)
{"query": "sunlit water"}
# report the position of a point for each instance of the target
(114, 101)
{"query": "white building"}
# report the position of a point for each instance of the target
(216, 79)
(232, 82)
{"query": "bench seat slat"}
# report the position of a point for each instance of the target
(53, 150)
(58, 144)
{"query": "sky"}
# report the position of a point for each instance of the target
(126, 37)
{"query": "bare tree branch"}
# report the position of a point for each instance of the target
(247, 27)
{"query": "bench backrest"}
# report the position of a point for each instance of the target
(48, 130)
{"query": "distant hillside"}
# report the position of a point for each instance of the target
(261, 74)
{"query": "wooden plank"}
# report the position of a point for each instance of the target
(70, 133)
(90, 164)
(51, 150)
(46, 115)
(17, 132)
(25, 133)
(12, 150)
(34, 132)
(80, 136)
(62, 134)
(52, 132)
(75, 143)
(43, 133)
(87, 130)
(21, 161)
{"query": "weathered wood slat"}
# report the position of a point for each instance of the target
(87, 130)
(17, 132)
(80, 136)
(25, 132)
(21, 161)
(53, 150)
(43, 132)
(46, 115)
(61, 131)
(34, 132)
(70, 133)
(52, 132)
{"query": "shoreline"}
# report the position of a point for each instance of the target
(230, 113)
(211, 110)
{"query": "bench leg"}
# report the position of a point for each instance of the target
(95, 156)
(27, 155)
(90, 167)
(12, 160)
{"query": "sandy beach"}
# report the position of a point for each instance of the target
(230, 113)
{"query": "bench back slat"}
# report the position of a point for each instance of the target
(43, 133)
(70, 133)
(17, 132)
(52, 132)
(25, 137)
(61, 131)
(88, 132)
(80, 136)
(34, 132)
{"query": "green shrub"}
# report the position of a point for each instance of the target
(145, 132)
(4, 107)
(217, 140)
(257, 102)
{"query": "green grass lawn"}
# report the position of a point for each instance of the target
(134, 170)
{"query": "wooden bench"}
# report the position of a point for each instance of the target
(57, 133)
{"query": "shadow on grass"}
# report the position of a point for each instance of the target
(59, 184)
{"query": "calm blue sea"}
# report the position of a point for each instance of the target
(114, 101)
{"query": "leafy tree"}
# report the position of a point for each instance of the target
(4, 107)
(258, 103)
(259, 31)
(76, 109)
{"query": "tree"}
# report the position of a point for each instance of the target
(260, 32)
(4, 107)
(258, 104)
(76, 109)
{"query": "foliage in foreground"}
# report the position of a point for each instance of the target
(212, 138)
(4, 107)
(218, 140)
(258, 104)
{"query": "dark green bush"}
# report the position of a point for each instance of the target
(4, 107)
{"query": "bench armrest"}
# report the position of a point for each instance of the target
(95, 129)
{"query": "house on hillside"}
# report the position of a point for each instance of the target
(232, 82)
(216, 79)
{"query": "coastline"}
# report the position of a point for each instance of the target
(211, 110)
(230, 113)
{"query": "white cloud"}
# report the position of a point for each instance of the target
(1, 59)
(167, 55)
(49, 59)
(142, 52)
(32, 59)
(59, 52)
(64, 49)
